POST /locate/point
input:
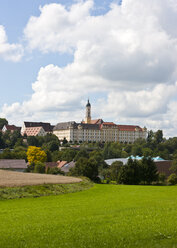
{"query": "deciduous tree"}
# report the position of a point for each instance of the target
(35, 154)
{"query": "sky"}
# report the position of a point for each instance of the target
(122, 55)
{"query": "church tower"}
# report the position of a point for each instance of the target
(88, 113)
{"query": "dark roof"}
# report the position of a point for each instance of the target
(89, 126)
(46, 126)
(88, 104)
(13, 164)
(12, 127)
(65, 125)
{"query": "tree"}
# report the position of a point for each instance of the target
(130, 173)
(115, 169)
(147, 152)
(68, 154)
(137, 150)
(2, 144)
(80, 167)
(150, 136)
(39, 167)
(91, 170)
(65, 141)
(85, 167)
(82, 153)
(162, 178)
(172, 179)
(3, 122)
(158, 136)
(148, 170)
(35, 154)
(32, 141)
(174, 166)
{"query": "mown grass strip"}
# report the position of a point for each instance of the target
(43, 190)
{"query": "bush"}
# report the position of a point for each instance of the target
(162, 177)
(30, 168)
(54, 171)
(39, 167)
(97, 180)
(172, 179)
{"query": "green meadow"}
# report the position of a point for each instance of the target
(102, 216)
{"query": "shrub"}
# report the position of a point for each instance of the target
(172, 179)
(55, 171)
(30, 168)
(97, 180)
(162, 177)
(39, 167)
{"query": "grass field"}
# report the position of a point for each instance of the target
(103, 216)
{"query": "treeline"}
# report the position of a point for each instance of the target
(155, 145)
(134, 172)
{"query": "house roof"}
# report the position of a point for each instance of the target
(33, 131)
(51, 164)
(97, 121)
(13, 164)
(129, 128)
(12, 127)
(88, 126)
(64, 125)
(46, 126)
(61, 163)
(67, 125)
(108, 124)
(68, 166)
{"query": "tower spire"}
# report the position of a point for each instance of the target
(88, 112)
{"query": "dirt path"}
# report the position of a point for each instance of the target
(12, 178)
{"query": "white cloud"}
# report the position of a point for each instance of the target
(128, 54)
(12, 52)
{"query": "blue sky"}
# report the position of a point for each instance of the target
(16, 78)
(120, 54)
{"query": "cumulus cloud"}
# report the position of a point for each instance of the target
(11, 52)
(128, 54)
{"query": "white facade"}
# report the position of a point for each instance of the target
(98, 130)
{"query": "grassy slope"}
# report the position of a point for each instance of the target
(43, 190)
(103, 216)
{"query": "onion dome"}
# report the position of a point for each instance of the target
(88, 104)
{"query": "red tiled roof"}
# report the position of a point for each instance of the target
(61, 163)
(97, 121)
(128, 128)
(109, 123)
(32, 131)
